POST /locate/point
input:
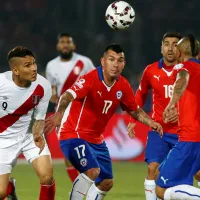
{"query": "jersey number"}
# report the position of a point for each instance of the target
(107, 105)
(168, 91)
(80, 150)
(4, 105)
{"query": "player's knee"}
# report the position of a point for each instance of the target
(160, 192)
(46, 179)
(152, 168)
(2, 193)
(93, 173)
(107, 184)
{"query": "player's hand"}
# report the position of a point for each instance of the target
(52, 122)
(131, 131)
(170, 114)
(39, 142)
(157, 127)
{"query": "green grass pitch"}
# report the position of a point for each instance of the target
(128, 177)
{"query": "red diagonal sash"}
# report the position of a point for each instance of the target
(72, 76)
(30, 103)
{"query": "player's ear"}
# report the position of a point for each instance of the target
(15, 71)
(161, 50)
(102, 61)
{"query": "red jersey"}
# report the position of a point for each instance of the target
(189, 109)
(157, 78)
(94, 105)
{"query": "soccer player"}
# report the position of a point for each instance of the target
(24, 98)
(157, 77)
(183, 162)
(62, 72)
(95, 98)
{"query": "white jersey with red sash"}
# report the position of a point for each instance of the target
(19, 106)
(64, 74)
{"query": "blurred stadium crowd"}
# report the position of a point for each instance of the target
(36, 23)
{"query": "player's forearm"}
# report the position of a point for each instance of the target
(179, 86)
(38, 127)
(64, 101)
(141, 116)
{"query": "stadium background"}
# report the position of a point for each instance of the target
(36, 23)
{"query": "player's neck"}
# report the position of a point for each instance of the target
(20, 83)
(108, 80)
(168, 64)
(65, 59)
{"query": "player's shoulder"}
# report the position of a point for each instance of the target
(53, 62)
(81, 57)
(122, 80)
(5, 76)
(42, 81)
(153, 66)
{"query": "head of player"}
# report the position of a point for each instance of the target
(113, 62)
(187, 47)
(22, 63)
(65, 46)
(168, 48)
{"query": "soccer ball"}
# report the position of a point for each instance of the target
(120, 15)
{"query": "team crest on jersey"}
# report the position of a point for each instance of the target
(119, 94)
(36, 99)
(80, 83)
(83, 162)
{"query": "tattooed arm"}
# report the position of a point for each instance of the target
(37, 131)
(179, 87)
(55, 120)
(141, 116)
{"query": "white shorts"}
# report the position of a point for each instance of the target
(9, 155)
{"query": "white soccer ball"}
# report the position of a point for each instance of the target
(120, 15)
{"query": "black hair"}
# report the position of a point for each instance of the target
(64, 34)
(194, 45)
(19, 51)
(172, 34)
(114, 47)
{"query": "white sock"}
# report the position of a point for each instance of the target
(149, 186)
(95, 193)
(80, 187)
(182, 192)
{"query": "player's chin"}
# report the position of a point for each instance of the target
(33, 78)
(171, 58)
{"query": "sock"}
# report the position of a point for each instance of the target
(182, 192)
(149, 187)
(72, 173)
(95, 193)
(47, 192)
(80, 187)
(9, 189)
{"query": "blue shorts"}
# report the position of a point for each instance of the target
(84, 156)
(180, 166)
(157, 148)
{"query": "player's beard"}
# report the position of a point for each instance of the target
(66, 56)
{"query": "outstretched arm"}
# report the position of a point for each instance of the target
(179, 87)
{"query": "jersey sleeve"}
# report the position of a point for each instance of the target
(179, 67)
(49, 75)
(128, 102)
(81, 87)
(143, 90)
(41, 108)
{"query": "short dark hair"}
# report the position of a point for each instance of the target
(194, 45)
(64, 34)
(114, 47)
(19, 51)
(172, 34)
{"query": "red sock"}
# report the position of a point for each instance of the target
(9, 189)
(72, 173)
(47, 192)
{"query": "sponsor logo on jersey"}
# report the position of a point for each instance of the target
(119, 94)
(36, 99)
(83, 162)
